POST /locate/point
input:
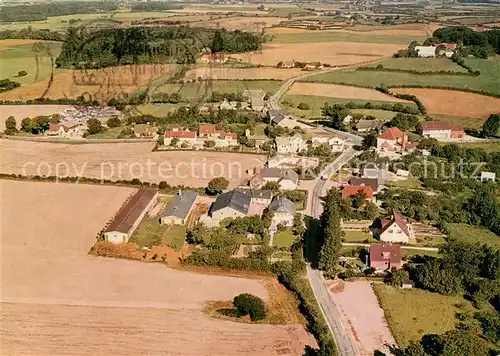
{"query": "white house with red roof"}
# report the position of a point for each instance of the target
(396, 229)
(183, 136)
(66, 130)
(441, 130)
(210, 132)
(393, 140)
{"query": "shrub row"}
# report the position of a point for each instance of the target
(460, 61)
(411, 71)
(410, 97)
(47, 101)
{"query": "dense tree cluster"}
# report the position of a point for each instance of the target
(40, 11)
(491, 126)
(217, 185)
(480, 44)
(248, 304)
(331, 232)
(30, 33)
(154, 6)
(115, 46)
(7, 84)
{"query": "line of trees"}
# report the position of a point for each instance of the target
(40, 11)
(115, 46)
(33, 34)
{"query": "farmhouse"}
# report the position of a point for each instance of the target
(257, 196)
(290, 145)
(385, 256)
(366, 125)
(393, 140)
(353, 190)
(232, 204)
(144, 130)
(286, 178)
(369, 182)
(441, 130)
(209, 132)
(255, 98)
(426, 51)
(130, 215)
(178, 210)
(395, 230)
(66, 131)
(183, 136)
(284, 211)
(275, 116)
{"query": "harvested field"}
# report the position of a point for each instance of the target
(21, 111)
(4, 44)
(333, 53)
(76, 301)
(247, 24)
(229, 73)
(362, 315)
(454, 103)
(125, 161)
(340, 91)
(101, 84)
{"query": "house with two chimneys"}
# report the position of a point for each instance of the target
(441, 130)
(290, 145)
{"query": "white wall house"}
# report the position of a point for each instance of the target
(396, 230)
(426, 51)
(290, 145)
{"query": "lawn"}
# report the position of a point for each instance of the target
(409, 253)
(333, 36)
(382, 115)
(158, 110)
(487, 146)
(109, 133)
(202, 89)
(410, 183)
(430, 241)
(316, 103)
(488, 81)
(476, 235)
(466, 122)
(420, 64)
(151, 233)
(284, 238)
(357, 236)
(23, 57)
(412, 313)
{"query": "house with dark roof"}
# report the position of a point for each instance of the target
(283, 210)
(232, 204)
(287, 179)
(370, 182)
(258, 196)
(396, 229)
(179, 208)
(385, 256)
(130, 215)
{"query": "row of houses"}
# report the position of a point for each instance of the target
(206, 132)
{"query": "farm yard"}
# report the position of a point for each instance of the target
(76, 299)
(126, 161)
(454, 103)
(333, 53)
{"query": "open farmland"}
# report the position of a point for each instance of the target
(420, 64)
(247, 24)
(125, 161)
(343, 36)
(407, 31)
(340, 91)
(454, 103)
(333, 53)
(19, 112)
(70, 302)
(232, 73)
(101, 84)
(488, 81)
(34, 57)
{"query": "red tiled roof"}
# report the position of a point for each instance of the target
(207, 129)
(399, 220)
(440, 125)
(180, 134)
(232, 135)
(385, 252)
(448, 45)
(392, 134)
(370, 182)
(351, 190)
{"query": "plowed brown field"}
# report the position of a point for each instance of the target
(454, 103)
(58, 300)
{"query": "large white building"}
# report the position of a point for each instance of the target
(290, 145)
(426, 51)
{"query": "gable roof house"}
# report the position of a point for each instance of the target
(352, 190)
(283, 210)
(255, 98)
(290, 145)
(396, 229)
(259, 139)
(130, 215)
(183, 136)
(393, 140)
(221, 138)
(276, 116)
(231, 204)
(75, 130)
(441, 130)
(385, 256)
(366, 125)
(369, 182)
(178, 210)
(257, 196)
(336, 143)
(287, 179)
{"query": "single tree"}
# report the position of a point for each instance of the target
(217, 42)
(174, 142)
(332, 232)
(209, 143)
(94, 126)
(22, 73)
(113, 122)
(248, 304)
(370, 140)
(398, 277)
(491, 126)
(10, 123)
(217, 185)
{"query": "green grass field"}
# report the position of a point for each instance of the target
(488, 81)
(474, 234)
(199, 90)
(23, 57)
(151, 233)
(357, 236)
(410, 183)
(412, 313)
(466, 122)
(109, 133)
(317, 102)
(409, 253)
(383, 115)
(332, 36)
(284, 238)
(420, 64)
(487, 146)
(155, 109)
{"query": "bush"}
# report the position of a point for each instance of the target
(22, 73)
(248, 304)
(217, 185)
(303, 106)
(113, 122)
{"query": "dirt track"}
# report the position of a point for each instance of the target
(57, 300)
(104, 160)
